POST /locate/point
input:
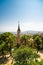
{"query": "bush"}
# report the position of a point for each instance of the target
(24, 55)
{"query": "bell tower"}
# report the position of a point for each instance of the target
(18, 35)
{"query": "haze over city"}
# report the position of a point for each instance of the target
(29, 13)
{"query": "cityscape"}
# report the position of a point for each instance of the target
(21, 32)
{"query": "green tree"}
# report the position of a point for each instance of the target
(42, 41)
(7, 41)
(37, 41)
(41, 62)
(2, 48)
(24, 55)
(24, 39)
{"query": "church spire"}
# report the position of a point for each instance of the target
(18, 35)
(18, 26)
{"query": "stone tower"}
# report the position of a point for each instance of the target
(18, 35)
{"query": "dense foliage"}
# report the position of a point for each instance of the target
(7, 41)
(26, 54)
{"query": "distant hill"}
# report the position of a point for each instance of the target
(27, 32)
(32, 32)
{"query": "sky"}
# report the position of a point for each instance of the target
(29, 13)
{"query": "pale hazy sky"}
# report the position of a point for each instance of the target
(28, 12)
